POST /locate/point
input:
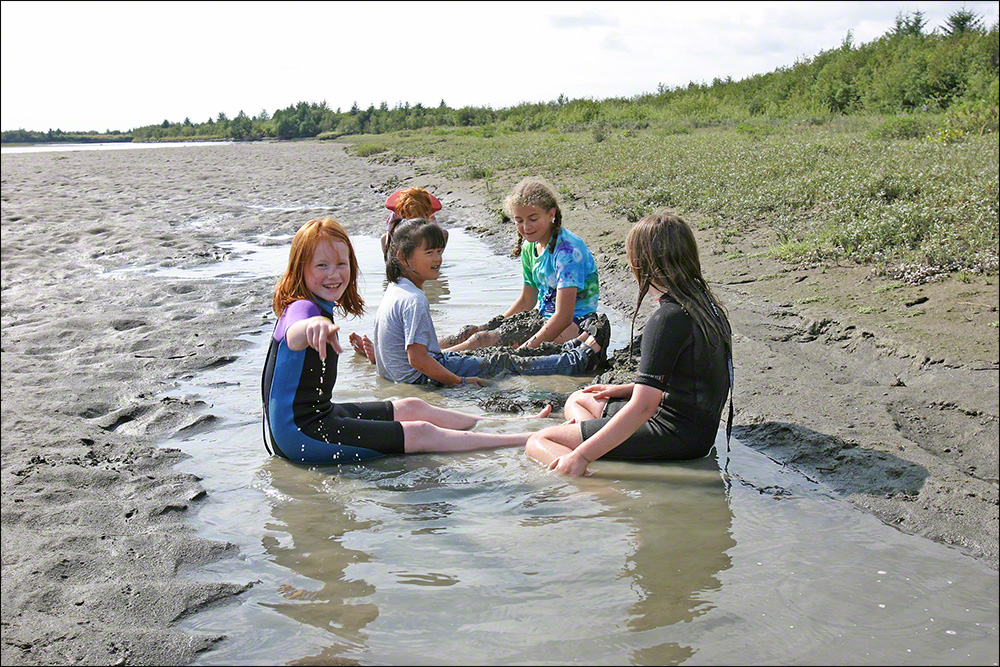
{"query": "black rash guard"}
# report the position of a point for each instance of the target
(694, 377)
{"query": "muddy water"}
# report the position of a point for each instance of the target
(484, 558)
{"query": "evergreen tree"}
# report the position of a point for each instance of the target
(241, 127)
(911, 24)
(961, 22)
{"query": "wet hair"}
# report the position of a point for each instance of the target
(533, 192)
(663, 253)
(405, 239)
(292, 284)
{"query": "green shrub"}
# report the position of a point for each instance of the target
(676, 129)
(755, 129)
(890, 187)
(474, 172)
(364, 150)
(898, 127)
(966, 119)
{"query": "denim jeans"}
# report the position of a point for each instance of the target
(573, 360)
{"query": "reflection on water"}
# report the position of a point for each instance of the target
(411, 551)
(485, 558)
(316, 523)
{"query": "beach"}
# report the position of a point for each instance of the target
(98, 563)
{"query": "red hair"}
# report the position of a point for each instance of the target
(292, 284)
(414, 203)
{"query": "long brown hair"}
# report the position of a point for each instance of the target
(292, 284)
(663, 253)
(534, 192)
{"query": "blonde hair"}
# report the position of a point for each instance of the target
(292, 284)
(534, 192)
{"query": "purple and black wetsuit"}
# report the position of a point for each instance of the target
(301, 423)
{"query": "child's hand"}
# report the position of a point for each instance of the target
(570, 464)
(530, 344)
(604, 391)
(321, 332)
(479, 382)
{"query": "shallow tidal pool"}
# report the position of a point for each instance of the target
(486, 558)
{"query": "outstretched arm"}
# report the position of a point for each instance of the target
(316, 332)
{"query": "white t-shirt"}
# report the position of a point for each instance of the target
(403, 318)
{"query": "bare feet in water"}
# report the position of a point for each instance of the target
(542, 414)
(363, 346)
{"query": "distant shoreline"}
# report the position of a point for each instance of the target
(104, 139)
(75, 139)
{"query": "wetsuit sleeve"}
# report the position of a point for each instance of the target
(667, 333)
(296, 311)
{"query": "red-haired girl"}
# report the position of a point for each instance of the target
(301, 422)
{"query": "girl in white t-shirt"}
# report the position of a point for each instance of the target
(406, 347)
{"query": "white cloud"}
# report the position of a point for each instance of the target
(587, 20)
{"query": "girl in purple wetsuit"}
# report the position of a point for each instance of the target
(301, 423)
(672, 410)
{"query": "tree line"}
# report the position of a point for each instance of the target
(906, 70)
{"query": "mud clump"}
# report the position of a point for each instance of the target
(517, 401)
(622, 366)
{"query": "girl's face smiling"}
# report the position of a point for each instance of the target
(329, 270)
(533, 223)
(424, 264)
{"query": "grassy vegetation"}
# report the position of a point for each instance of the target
(367, 148)
(861, 189)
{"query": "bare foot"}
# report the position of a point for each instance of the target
(369, 349)
(363, 345)
(543, 413)
(355, 340)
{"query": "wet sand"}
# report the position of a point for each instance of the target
(98, 563)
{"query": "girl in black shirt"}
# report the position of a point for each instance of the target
(672, 410)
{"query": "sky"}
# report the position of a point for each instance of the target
(95, 66)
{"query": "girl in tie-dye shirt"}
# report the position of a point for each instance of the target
(560, 291)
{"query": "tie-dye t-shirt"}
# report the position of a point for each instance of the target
(570, 265)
